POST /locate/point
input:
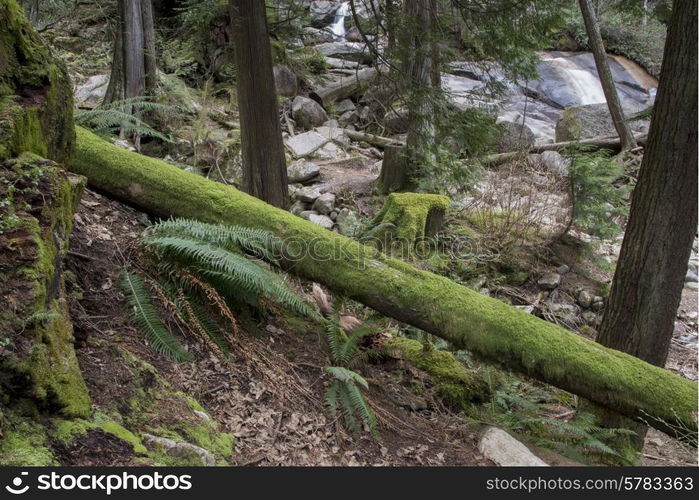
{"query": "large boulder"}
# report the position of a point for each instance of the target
(306, 144)
(592, 120)
(285, 81)
(302, 171)
(322, 12)
(307, 113)
(515, 137)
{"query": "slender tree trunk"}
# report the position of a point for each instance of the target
(650, 273)
(605, 75)
(264, 164)
(149, 59)
(115, 90)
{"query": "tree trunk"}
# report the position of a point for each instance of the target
(134, 65)
(134, 70)
(490, 329)
(420, 142)
(393, 169)
(149, 59)
(264, 164)
(605, 75)
(650, 273)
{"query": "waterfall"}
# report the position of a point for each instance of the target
(338, 25)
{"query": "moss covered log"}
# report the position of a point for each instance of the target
(487, 327)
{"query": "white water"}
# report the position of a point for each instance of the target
(582, 82)
(338, 25)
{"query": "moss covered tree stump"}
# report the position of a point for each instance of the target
(405, 220)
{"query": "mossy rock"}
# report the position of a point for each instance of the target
(36, 97)
(36, 218)
(24, 443)
(152, 406)
(457, 386)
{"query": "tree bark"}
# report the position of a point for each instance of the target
(264, 164)
(149, 59)
(393, 169)
(419, 69)
(134, 71)
(490, 329)
(650, 273)
(605, 75)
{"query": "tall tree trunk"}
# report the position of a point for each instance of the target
(264, 164)
(417, 40)
(134, 65)
(605, 75)
(149, 61)
(650, 273)
(134, 69)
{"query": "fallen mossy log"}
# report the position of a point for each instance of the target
(611, 143)
(490, 329)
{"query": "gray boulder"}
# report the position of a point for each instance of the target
(93, 90)
(555, 163)
(506, 451)
(321, 220)
(343, 106)
(324, 204)
(515, 137)
(297, 207)
(352, 51)
(347, 222)
(322, 12)
(285, 81)
(308, 113)
(307, 194)
(588, 121)
(315, 35)
(549, 281)
(302, 171)
(584, 299)
(306, 144)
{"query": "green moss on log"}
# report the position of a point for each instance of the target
(456, 386)
(487, 327)
(36, 98)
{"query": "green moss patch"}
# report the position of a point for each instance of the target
(457, 386)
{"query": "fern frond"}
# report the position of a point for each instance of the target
(350, 348)
(257, 242)
(231, 269)
(145, 316)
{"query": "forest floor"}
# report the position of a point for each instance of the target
(271, 427)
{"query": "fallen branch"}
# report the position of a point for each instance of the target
(490, 329)
(611, 143)
(375, 140)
